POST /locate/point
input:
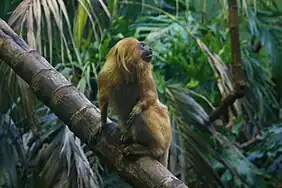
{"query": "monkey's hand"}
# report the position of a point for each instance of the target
(135, 111)
(126, 138)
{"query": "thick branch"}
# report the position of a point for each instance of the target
(82, 117)
(237, 67)
(237, 70)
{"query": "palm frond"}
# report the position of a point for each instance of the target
(266, 152)
(201, 149)
(261, 88)
(35, 17)
(17, 99)
(12, 155)
(59, 158)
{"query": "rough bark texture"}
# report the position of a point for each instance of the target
(81, 116)
(237, 72)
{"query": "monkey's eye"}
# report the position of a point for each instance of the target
(142, 45)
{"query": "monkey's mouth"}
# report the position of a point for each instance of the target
(147, 57)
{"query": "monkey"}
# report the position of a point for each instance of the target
(126, 83)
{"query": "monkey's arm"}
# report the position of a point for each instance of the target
(149, 94)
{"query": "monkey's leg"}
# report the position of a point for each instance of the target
(138, 149)
(103, 105)
(104, 89)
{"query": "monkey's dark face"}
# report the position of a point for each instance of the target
(145, 52)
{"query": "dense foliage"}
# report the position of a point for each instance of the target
(192, 57)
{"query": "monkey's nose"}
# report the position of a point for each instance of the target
(147, 54)
(149, 50)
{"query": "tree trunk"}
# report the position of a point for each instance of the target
(81, 116)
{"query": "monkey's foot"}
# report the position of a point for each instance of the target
(136, 149)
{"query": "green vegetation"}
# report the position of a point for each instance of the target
(192, 67)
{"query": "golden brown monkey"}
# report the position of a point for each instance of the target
(125, 82)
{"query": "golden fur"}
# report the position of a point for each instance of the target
(125, 82)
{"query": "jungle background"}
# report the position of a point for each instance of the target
(192, 69)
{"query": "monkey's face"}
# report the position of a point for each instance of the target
(145, 52)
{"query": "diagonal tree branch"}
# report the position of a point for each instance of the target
(81, 116)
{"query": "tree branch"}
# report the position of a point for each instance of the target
(227, 101)
(254, 140)
(237, 70)
(81, 116)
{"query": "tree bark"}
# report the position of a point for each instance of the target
(237, 72)
(239, 84)
(81, 116)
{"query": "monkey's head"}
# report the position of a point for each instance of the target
(129, 52)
